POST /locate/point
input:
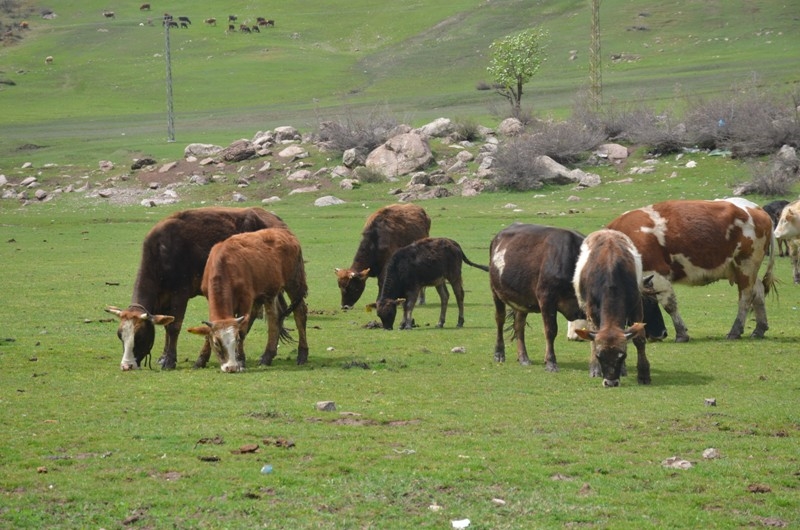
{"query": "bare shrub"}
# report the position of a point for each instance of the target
(748, 122)
(466, 129)
(354, 132)
(772, 178)
(515, 165)
(368, 175)
(564, 141)
(483, 85)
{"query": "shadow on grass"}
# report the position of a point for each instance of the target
(658, 376)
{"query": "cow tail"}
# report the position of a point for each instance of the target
(285, 310)
(468, 262)
(769, 281)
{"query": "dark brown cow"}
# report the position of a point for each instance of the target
(211, 21)
(426, 262)
(531, 269)
(244, 28)
(174, 256)
(386, 230)
(144, 7)
(700, 242)
(608, 283)
(775, 209)
(243, 273)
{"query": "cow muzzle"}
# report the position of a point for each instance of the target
(610, 383)
(126, 367)
(232, 368)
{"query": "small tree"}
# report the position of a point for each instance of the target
(515, 59)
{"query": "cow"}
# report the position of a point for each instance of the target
(244, 28)
(211, 21)
(144, 7)
(697, 242)
(530, 270)
(608, 283)
(108, 14)
(385, 231)
(255, 29)
(774, 209)
(232, 18)
(48, 59)
(788, 230)
(243, 273)
(173, 259)
(427, 262)
(184, 20)
(231, 28)
(261, 21)
(184, 25)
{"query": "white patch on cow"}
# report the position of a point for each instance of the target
(228, 340)
(499, 259)
(659, 229)
(702, 276)
(741, 202)
(127, 336)
(583, 258)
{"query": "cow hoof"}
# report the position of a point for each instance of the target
(499, 357)
(683, 338)
(266, 359)
(644, 381)
(549, 367)
(734, 336)
(440, 324)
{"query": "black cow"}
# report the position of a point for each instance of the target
(774, 209)
(184, 19)
(426, 262)
(608, 282)
(174, 256)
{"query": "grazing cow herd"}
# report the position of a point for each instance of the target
(247, 262)
(184, 22)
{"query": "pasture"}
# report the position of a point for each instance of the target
(422, 435)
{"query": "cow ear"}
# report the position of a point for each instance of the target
(635, 329)
(364, 274)
(370, 307)
(648, 282)
(113, 310)
(200, 330)
(585, 334)
(161, 320)
(242, 319)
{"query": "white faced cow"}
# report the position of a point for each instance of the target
(243, 273)
(787, 229)
(608, 283)
(174, 255)
(700, 242)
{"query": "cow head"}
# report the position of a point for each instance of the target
(656, 328)
(788, 225)
(610, 346)
(387, 310)
(225, 338)
(351, 284)
(137, 332)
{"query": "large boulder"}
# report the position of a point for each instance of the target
(238, 151)
(438, 128)
(401, 155)
(549, 171)
(510, 127)
(201, 150)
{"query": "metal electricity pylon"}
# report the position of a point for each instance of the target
(595, 75)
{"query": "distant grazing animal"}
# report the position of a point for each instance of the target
(700, 242)
(261, 21)
(184, 19)
(788, 230)
(211, 21)
(232, 18)
(171, 23)
(774, 209)
(48, 59)
(427, 262)
(144, 7)
(108, 14)
(231, 27)
(184, 25)
(244, 28)
(255, 29)
(386, 230)
(25, 25)
(530, 271)
(174, 255)
(608, 282)
(244, 272)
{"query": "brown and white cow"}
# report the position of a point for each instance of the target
(427, 262)
(788, 230)
(388, 229)
(174, 255)
(608, 282)
(243, 273)
(699, 242)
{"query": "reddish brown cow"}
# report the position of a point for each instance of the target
(243, 273)
(430, 261)
(144, 7)
(385, 231)
(174, 256)
(608, 283)
(700, 242)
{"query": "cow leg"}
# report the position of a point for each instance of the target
(519, 332)
(169, 358)
(550, 332)
(794, 253)
(458, 290)
(594, 363)
(444, 298)
(666, 297)
(408, 310)
(760, 310)
(642, 364)
(273, 333)
(300, 319)
(205, 354)
(500, 320)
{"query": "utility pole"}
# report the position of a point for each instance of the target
(595, 76)
(170, 114)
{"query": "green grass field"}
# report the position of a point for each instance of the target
(421, 436)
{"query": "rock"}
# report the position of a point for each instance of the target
(202, 150)
(40, 195)
(326, 406)
(353, 157)
(293, 152)
(106, 165)
(238, 151)
(328, 200)
(711, 453)
(139, 163)
(307, 189)
(614, 153)
(271, 200)
(27, 181)
(510, 127)
(198, 179)
(400, 155)
(238, 197)
(286, 133)
(206, 161)
(341, 171)
(438, 128)
(3, 180)
(465, 156)
(676, 463)
(349, 184)
(27, 165)
(299, 176)
(263, 139)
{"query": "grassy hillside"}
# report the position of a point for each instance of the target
(106, 91)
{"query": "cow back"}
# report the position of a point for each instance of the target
(387, 230)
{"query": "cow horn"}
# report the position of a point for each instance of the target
(207, 323)
(113, 310)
